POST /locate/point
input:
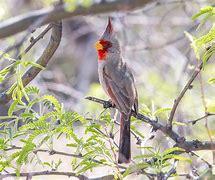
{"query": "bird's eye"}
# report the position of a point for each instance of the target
(105, 44)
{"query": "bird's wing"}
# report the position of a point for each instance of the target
(122, 93)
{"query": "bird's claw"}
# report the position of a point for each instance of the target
(108, 104)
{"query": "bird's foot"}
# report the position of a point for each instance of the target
(108, 104)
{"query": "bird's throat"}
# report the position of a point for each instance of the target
(102, 54)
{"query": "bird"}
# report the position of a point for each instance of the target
(118, 82)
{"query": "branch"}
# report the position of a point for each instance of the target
(58, 173)
(20, 23)
(42, 173)
(180, 141)
(43, 60)
(182, 93)
(19, 44)
(186, 87)
(53, 152)
(34, 41)
(201, 118)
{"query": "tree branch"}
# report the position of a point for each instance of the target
(42, 173)
(52, 152)
(201, 118)
(194, 145)
(20, 23)
(184, 90)
(43, 60)
(34, 41)
(182, 93)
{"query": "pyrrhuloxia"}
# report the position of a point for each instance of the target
(118, 82)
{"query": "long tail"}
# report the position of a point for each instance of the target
(125, 139)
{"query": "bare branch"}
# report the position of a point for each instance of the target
(184, 90)
(22, 22)
(182, 93)
(42, 173)
(201, 118)
(34, 41)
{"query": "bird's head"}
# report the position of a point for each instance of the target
(107, 45)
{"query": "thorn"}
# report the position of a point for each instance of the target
(152, 137)
(31, 39)
(190, 87)
(52, 152)
(139, 141)
(88, 98)
(111, 135)
(156, 119)
(194, 122)
(180, 139)
(33, 30)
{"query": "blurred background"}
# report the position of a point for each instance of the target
(153, 44)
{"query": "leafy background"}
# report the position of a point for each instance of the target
(161, 42)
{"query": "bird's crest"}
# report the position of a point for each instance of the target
(109, 28)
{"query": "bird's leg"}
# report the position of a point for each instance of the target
(108, 104)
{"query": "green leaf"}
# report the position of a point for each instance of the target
(88, 166)
(53, 100)
(7, 117)
(29, 146)
(135, 168)
(143, 156)
(179, 123)
(47, 164)
(12, 108)
(27, 63)
(177, 157)
(161, 110)
(204, 10)
(72, 145)
(32, 90)
(211, 81)
(145, 110)
(171, 150)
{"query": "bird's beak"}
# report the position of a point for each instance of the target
(98, 46)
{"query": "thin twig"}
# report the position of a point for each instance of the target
(182, 93)
(42, 173)
(112, 149)
(35, 40)
(206, 110)
(184, 90)
(194, 154)
(201, 118)
(139, 141)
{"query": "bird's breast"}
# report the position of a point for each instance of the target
(101, 66)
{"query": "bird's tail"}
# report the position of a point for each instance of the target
(125, 139)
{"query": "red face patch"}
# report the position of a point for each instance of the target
(102, 53)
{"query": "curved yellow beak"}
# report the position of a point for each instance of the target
(98, 46)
